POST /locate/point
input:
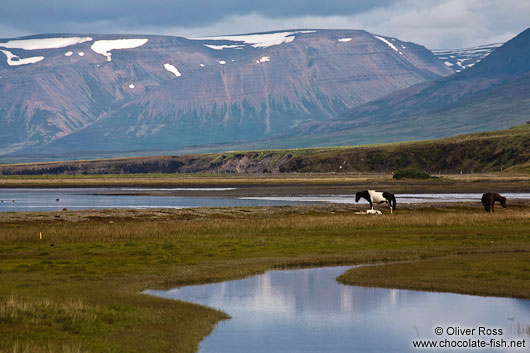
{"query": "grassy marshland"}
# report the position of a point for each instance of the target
(282, 184)
(79, 289)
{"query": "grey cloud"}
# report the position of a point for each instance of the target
(37, 16)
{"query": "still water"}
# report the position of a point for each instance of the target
(309, 311)
(401, 198)
(100, 198)
(94, 198)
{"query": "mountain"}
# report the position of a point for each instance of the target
(67, 93)
(493, 94)
(461, 59)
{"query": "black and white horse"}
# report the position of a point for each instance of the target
(373, 196)
(489, 198)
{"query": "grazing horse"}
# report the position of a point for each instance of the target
(373, 196)
(489, 198)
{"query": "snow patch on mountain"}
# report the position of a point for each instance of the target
(68, 53)
(222, 62)
(263, 59)
(81, 53)
(389, 44)
(15, 60)
(345, 39)
(131, 86)
(466, 57)
(263, 40)
(104, 47)
(221, 47)
(44, 43)
(172, 69)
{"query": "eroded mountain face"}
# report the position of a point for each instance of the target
(114, 92)
(492, 94)
(461, 59)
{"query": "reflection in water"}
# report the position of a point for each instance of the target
(101, 198)
(401, 198)
(308, 311)
(85, 198)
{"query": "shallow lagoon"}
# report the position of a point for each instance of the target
(132, 198)
(101, 198)
(309, 311)
(401, 198)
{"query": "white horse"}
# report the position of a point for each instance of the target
(373, 196)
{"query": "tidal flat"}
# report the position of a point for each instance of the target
(79, 288)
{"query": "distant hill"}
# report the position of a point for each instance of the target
(483, 152)
(69, 93)
(493, 94)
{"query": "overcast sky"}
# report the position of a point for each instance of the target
(433, 23)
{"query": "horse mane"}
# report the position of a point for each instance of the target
(501, 199)
(494, 196)
(364, 194)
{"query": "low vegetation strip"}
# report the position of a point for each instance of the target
(481, 152)
(79, 289)
(249, 185)
(492, 274)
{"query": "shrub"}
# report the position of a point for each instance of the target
(411, 174)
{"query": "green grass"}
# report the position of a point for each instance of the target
(80, 288)
(501, 275)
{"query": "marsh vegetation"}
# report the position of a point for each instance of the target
(79, 288)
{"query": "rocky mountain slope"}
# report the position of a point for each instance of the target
(67, 93)
(493, 94)
(461, 59)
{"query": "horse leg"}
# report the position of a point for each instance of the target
(390, 205)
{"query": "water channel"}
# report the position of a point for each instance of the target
(307, 310)
(135, 198)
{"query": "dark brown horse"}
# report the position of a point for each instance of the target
(489, 198)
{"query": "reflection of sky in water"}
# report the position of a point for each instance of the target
(308, 311)
(176, 189)
(401, 198)
(83, 198)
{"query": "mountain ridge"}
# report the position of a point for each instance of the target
(464, 58)
(434, 101)
(223, 89)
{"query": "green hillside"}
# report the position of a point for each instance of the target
(480, 152)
